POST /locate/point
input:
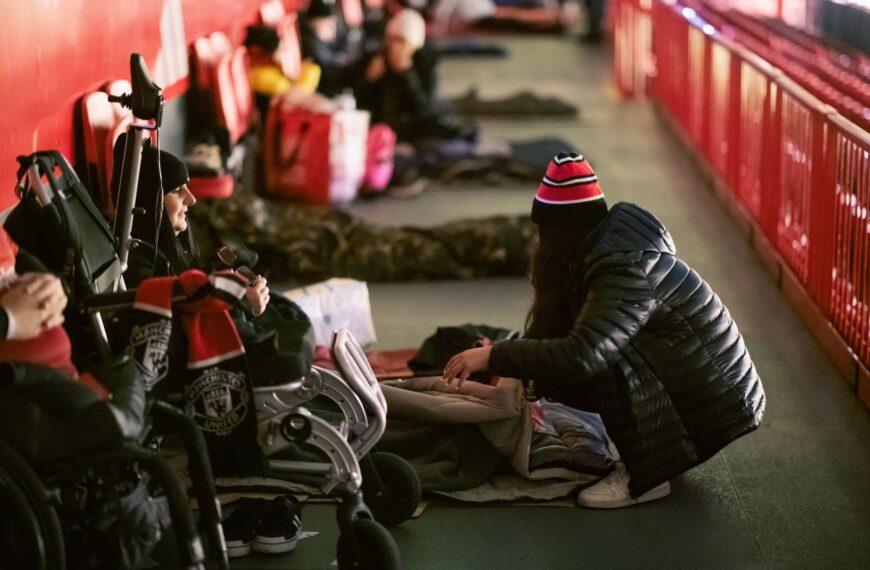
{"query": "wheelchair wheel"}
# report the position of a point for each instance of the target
(30, 534)
(367, 546)
(399, 497)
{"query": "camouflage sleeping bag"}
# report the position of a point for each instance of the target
(300, 243)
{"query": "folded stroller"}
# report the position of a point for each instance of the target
(391, 487)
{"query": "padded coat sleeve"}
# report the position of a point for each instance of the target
(618, 304)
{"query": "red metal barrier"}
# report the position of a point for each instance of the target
(799, 129)
(798, 168)
(753, 107)
(632, 50)
(850, 297)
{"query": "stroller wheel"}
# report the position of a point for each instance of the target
(396, 496)
(367, 545)
(30, 535)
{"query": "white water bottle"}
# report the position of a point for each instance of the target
(346, 101)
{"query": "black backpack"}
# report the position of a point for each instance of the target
(57, 222)
(68, 233)
(55, 232)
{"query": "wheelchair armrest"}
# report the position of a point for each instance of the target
(124, 381)
(108, 301)
(48, 416)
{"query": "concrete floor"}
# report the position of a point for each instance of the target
(794, 494)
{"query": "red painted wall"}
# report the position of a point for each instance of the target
(54, 51)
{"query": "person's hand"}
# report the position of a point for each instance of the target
(257, 294)
(35, 302)
(375, 69)
(464, 364)
(400, 57)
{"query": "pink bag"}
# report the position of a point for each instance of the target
(379, 158)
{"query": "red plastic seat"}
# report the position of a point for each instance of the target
(225, 99)
(203, 63)
(217, 187)
(289, 50)
(271, 13)
(220, 44)
(98, 120)
(240, 67)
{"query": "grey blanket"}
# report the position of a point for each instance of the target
(467, 443)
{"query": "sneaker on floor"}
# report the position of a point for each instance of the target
(612, 492)
(280, 526)
(241, 526)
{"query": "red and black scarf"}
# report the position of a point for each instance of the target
(216, 384)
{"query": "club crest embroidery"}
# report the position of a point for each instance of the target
(149, 349)
(218, 400)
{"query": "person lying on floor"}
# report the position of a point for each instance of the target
(621, 326)
(36, 365)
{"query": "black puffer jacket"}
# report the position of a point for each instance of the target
(653, 348)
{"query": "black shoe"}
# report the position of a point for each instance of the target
(280, 526)
(241, 526)
(593, 37)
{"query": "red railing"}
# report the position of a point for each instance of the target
(850, 294)
(797, 169)
(632, 50)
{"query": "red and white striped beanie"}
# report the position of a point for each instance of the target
(569, 194)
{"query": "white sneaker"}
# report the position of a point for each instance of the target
(612, 492)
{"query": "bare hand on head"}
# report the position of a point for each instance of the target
(466, 363)
(35, 302)
(258, 295)
(376, 69)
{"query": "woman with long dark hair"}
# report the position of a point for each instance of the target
(165, 246)
(164, 242)
(620, 326)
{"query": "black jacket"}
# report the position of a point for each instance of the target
(406, 101)
(338, 69)
(653, 347)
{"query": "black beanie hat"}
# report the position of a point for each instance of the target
(174, 173)
(320, 9)
(172, 169)
(569, 194)
(264, 37)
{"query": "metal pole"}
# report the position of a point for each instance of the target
(128, 186)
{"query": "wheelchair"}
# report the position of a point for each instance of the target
(363, 542)
(54, 205)
(91, 267)
(74, 479)
(350, 396)
(390, 484)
